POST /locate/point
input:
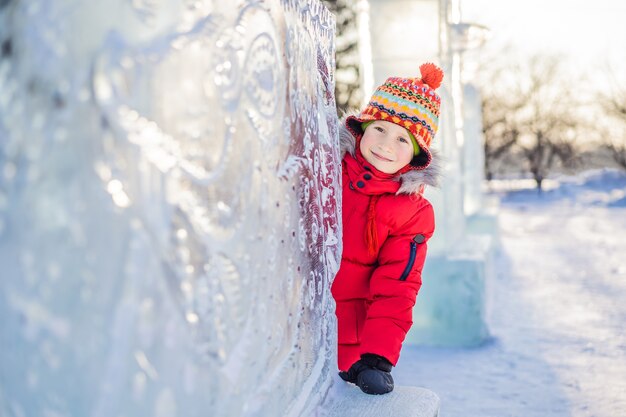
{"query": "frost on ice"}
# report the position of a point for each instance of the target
(168, 207)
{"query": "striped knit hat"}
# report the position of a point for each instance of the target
(408, 102)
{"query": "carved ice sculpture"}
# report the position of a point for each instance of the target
(169, 220)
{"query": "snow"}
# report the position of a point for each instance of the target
(558, 345)
(347, 400)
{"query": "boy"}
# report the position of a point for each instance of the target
(386, 224)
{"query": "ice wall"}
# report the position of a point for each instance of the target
(474, 153)
(168, 207)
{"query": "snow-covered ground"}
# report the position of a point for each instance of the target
(559, 310)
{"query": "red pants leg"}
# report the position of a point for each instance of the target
(350, 320)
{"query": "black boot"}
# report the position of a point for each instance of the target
(372, 373)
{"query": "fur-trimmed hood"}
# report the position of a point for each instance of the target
(411, 181)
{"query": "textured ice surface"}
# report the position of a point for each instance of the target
(168, 207)
(452, 307)
(474, 151)
(347, 400)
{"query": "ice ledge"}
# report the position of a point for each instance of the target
(347, 400)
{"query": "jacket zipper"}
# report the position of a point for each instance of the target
(409, 265)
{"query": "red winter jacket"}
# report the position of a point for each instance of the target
(375, 292)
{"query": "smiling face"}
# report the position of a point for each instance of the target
(387, 146)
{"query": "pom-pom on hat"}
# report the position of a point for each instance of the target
(408, 102)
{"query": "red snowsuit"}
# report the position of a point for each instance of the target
(375, 292)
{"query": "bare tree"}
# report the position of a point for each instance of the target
(549, 148)
(614, 106)
(501, 102)
(549, 120)
(527, 112)
(618, 152)
(500, 130)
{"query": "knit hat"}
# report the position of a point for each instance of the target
(411, 103)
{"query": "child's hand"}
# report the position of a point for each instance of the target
(372, 373)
